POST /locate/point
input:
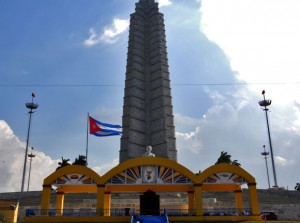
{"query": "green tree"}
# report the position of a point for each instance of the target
(64, 162)
(226, 158)
(81, 160)
(235, 162)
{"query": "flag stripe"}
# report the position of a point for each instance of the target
(98, 128)
(108, 125)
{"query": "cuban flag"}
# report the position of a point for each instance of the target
(103, 129)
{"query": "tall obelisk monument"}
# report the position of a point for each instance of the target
(147, 112)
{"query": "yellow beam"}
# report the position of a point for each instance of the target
(92, 188)
(221, 187)
(146, 187)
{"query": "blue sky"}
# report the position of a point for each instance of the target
(222, 54)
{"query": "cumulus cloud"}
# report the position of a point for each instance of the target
(240, 131)
(281, 161)
(185, 121)
(189, 138)
(12, 152)
(214, 95)
(263, 47)
(162, 3)
(189, 135)
(110, 34)
(102, 169)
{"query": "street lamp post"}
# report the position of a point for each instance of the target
(31, 156)
(265, 103)
(31, 106)
(265, 154)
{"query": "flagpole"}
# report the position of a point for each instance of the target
(87, 138)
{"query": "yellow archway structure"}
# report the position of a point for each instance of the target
(167, 164)
(70, 179)
(150, 173)
(228, 177)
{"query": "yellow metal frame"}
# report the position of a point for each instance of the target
(9, 210)
(194, 189)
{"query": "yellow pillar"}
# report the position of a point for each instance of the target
(191, 202)
(198, 199)
(100, 199)
(60, 203)
(253, 199)
(9, 211)
(239, 200)
(46, 199)
(107, 199)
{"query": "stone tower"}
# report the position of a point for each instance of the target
(147, 110)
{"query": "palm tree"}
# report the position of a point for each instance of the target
(81, 160)
(64, 162)
(297, 187)
(235, 162)
(226, 158)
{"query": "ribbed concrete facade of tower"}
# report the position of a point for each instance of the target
(147, 111)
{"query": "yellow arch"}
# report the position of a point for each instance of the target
(225, 167)
(71, 169)
(148, 161)
(76, 169)
(103, 191)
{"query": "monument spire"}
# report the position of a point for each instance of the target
(147, 110)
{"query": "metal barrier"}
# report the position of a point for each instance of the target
(227, 212)
(128, 212)
(78, 212)
(181, 212)
(65, 212)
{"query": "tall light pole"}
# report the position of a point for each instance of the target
(265, 103)
(31, 106)
(31, 156)
(265, 154)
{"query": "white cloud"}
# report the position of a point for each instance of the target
(106, 167)
(188, 136)
(110, 33)
(93, 38)
(261, 38)
(214, 95)
(12, 152)
(240, 131)
(281, 161)
(190, 139)
(162, 3)
(182, 120)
